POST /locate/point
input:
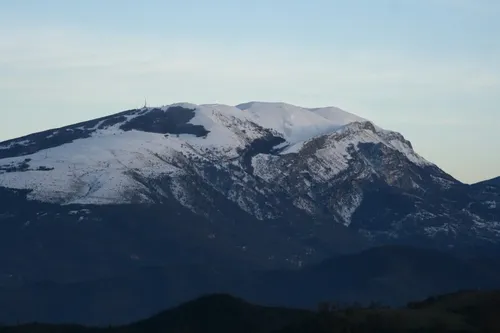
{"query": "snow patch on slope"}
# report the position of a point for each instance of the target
(349, 204)
(294, 123)
(95, 170)
(337, 116)
(491, 204)
(304, 204)
(409, 153)
(15, 143)
(444, 183)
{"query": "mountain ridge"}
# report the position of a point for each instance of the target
(492, 181)
(227, 124)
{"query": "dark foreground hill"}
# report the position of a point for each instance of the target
(468, 311)
(390, 275)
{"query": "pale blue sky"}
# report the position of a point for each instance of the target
(427, 68)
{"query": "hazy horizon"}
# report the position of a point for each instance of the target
(429, 69)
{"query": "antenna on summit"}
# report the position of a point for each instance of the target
(145, 103)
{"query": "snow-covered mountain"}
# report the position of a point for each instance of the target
(98, 162)
(278, 182)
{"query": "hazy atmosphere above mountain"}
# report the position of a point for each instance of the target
(429, 69)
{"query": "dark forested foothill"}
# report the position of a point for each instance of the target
(467, 312)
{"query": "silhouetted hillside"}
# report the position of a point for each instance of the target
(467, 312)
